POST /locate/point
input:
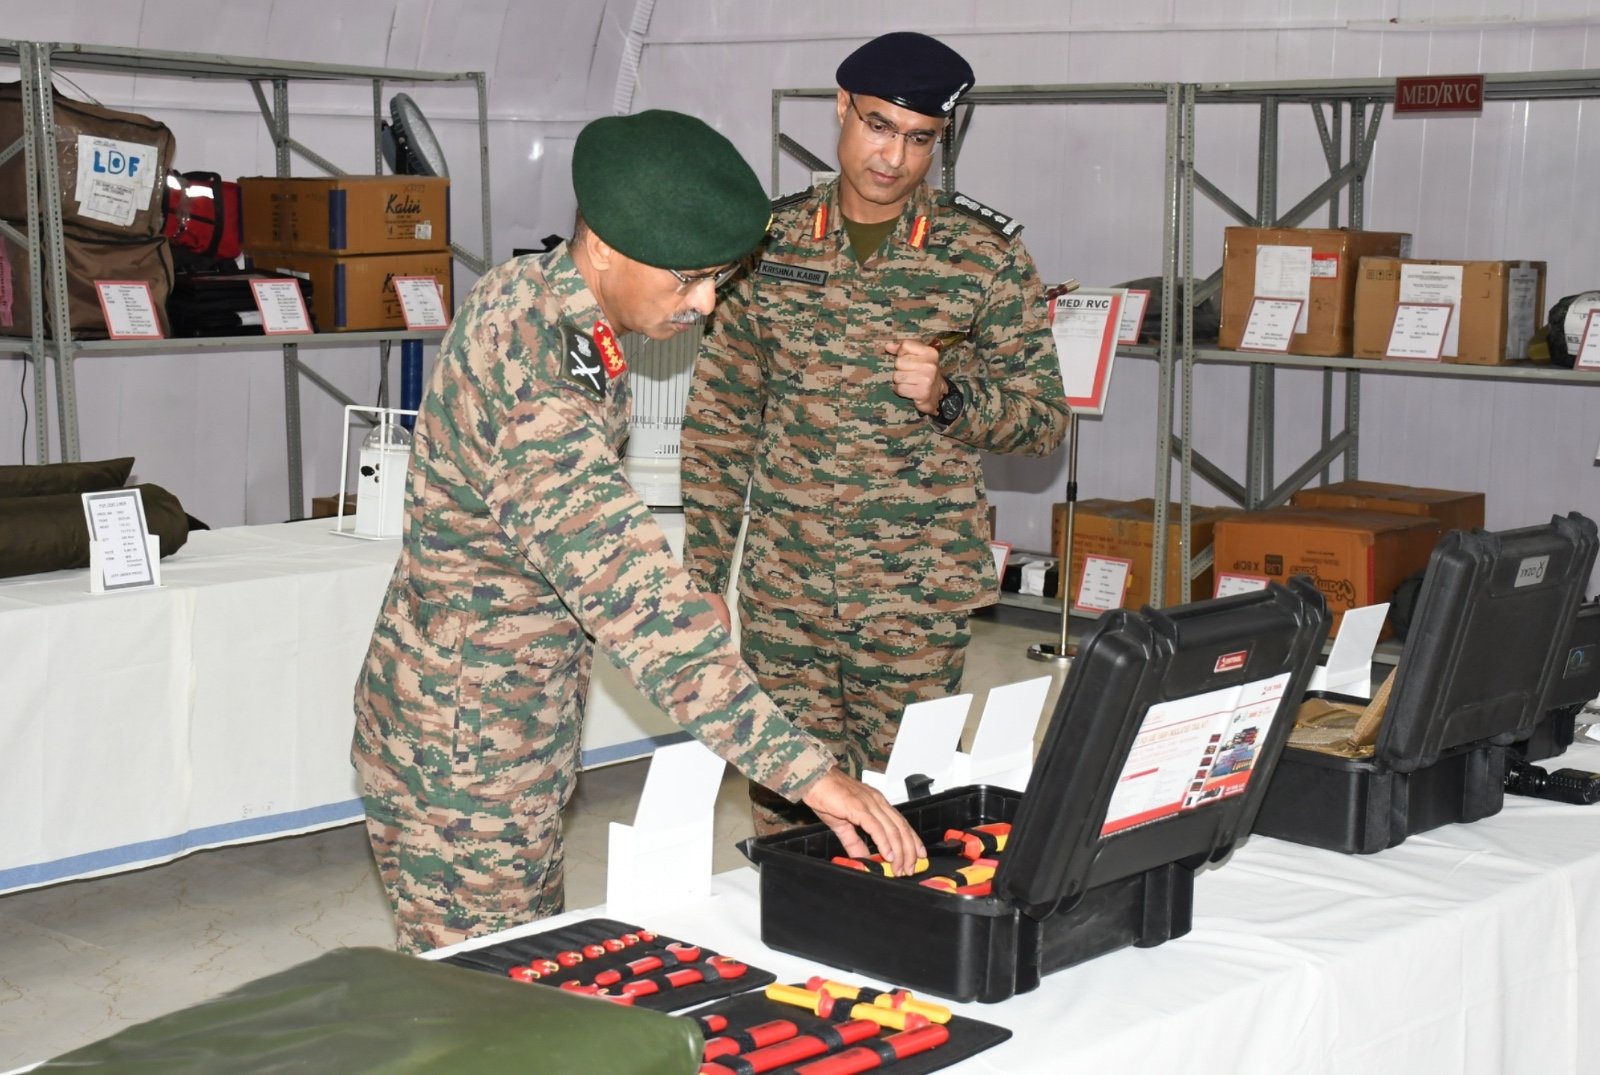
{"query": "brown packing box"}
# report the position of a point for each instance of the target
(1356, 558)
(347, 214)
(326, 507)
(1455, 510)
(1126, 529)
(353, 293)
(1499, 305)
(1330, 309)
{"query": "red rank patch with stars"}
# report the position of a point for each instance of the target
(610, 351)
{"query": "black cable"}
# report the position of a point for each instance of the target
(22, 394)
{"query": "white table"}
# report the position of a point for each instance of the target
(136, 727)
(1469, 949)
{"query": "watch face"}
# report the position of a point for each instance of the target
(950, 405)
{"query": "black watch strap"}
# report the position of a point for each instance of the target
(951, 404)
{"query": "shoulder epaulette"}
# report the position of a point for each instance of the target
(1000, 222)
(790, 199)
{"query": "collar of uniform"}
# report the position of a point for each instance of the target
(579, 307)
(922, 202)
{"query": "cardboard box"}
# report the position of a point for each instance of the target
(327, 507)
(353, 293)
(347, 214)
(1126, 529)
(1356, 558)
(1499, 305)
(1315, 264)
(1455, 510)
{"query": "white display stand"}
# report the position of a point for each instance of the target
(664, 858)
(381, 475)
(1348, 669)
(97, 567)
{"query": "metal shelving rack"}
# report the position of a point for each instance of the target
(1347, 114)
(267, 79)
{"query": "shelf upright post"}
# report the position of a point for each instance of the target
(291, 352)
(1258, 481)
(1186, 418)
(1172, 226)
(50, 233)
(31, 153)
(1352, 379)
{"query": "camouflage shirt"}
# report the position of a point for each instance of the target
(516, 493)
(859, 504)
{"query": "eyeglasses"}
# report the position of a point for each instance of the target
(687, 281)
(880, 132)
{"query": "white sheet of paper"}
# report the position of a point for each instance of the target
(929, 734)
(680, 787)
(1001, 551)
(1522, 309)
(1032, 581)
(1589, 349)
(1435, 283)
(1083, 326)
(117, 525)
(1419, 330)
(1228, 585)
(1105, 579)
(1271, 326)
(1348, 669)
(282, 307)
(1284, 272)
(1002, 747)
(1132, 315)
(129, 309)
(421, 302)
(115, 179)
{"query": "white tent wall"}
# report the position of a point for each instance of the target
(1086, 180)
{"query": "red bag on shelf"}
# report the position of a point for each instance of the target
(203, 214)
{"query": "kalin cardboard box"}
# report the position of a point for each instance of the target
(1454, 509)
(1126, 529)
(1356, 558)
(1498, 305)
(346, 214)
(354, 294)
(1317, 265)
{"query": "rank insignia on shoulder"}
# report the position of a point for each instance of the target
(580, 364)
(610, 350)
(1000, 222)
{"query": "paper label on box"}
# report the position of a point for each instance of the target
(424, 229)
(1522, 314)
(1284, 272)
(115, 179)
(1325, 266)
(1192, 752)
(1435, 284)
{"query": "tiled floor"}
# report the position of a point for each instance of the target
(80, 961)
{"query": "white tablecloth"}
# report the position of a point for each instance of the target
(139, 726)
(1469, 949)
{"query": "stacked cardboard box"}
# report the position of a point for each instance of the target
(350, 236)
(1126, 529)
(1497, 305)
(1455, 509)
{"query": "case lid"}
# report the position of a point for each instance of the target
(1577, 680)
(1487, 638)
(1162, 742)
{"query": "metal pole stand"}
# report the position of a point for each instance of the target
(1062, 653)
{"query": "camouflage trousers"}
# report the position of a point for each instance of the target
(847, 682)
(464, 782)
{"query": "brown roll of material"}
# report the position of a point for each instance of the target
(49, 479)
(48, 533)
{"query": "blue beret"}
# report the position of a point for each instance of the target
(910, 70)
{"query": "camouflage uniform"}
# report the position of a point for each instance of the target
(862, 510)
(522, 537)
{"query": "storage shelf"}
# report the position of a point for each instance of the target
(1538, 372)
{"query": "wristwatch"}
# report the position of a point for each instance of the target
(951, 404)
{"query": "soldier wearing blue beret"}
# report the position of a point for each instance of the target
(524, 541)
(886, 335)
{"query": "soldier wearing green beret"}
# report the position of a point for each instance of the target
(885, 336)
(523, 541)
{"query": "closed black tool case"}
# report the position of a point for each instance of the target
(1163, 738)
(1487, 642)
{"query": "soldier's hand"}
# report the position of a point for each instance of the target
(719, 605)
(846, 804)
(916, 375)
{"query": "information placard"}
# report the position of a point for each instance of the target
(1132, 319)
(1229, 583)
(1271, 325)
(1419, 331)
(1084, 325)
(1589, 349)
(421, 302)
(282, 306)
(1104, 581)
(117, 531)
(129, 309)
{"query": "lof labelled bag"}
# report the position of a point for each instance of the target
(89, 258)
(111, 166)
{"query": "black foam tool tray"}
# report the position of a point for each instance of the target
(503, 957)
(968, 1037)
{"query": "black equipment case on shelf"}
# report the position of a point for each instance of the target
(1072, 884)
(1486, 643)
(1577, 684)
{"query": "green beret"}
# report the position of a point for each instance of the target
(667, 190)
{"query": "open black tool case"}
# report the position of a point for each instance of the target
(1487, 642)
(1159, 749)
